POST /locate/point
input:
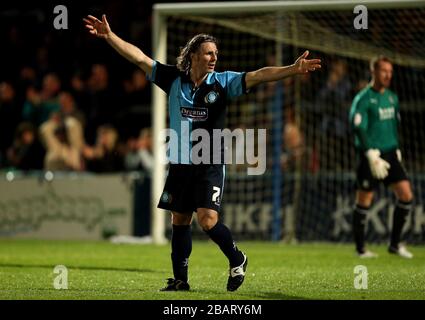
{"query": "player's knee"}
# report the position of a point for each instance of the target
(207, 221)
(405, 194)
(181, 219)
(364, 202)
(403, 191)
(406, 197)
(364, 198)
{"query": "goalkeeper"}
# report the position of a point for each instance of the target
(374, 116)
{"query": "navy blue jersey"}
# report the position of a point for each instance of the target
(189, 109)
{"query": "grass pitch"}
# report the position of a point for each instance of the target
(101, 270)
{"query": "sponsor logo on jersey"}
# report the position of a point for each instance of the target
(211, 97)
(196, 114)
(373, 101)
(386, 113)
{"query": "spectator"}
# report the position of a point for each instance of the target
(104, 156)
(26, 152)
(293, 142)
(63, 139)
(334, 100)
(131, 158)
(101, 106)
(27, 77)
(137, 90)
(68, 107)
(139, 155)
(136, 102)
(332, 104)
(78, 89)
(40, 105)
(10, 117)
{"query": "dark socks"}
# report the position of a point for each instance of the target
(359, 221)
(401, 212)
(221, 235)
(181, 248)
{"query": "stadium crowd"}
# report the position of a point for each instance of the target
(65, 104)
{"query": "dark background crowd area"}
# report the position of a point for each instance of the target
(48, 73)
(68, 101)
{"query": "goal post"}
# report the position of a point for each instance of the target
(253, 33)
(159, 114)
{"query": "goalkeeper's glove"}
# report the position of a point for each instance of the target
(378, 166)
(398, 155)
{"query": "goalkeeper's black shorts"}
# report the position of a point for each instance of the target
(364, 179)
(189, 187)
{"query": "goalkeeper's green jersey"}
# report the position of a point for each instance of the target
(374, 118)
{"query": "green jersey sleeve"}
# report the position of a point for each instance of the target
(359, 121)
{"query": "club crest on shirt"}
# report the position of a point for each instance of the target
(390, 98)
(196, 114)
(166, 197)
(211, 97)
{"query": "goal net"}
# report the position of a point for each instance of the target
(307, 191)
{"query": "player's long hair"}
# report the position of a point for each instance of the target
(183, 60)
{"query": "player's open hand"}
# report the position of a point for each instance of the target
(303, 65)
(96, 27)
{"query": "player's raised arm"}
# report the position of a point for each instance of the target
(101, 29)
(300, 66)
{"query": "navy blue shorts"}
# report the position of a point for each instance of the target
(365, 180)
(189, 187)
